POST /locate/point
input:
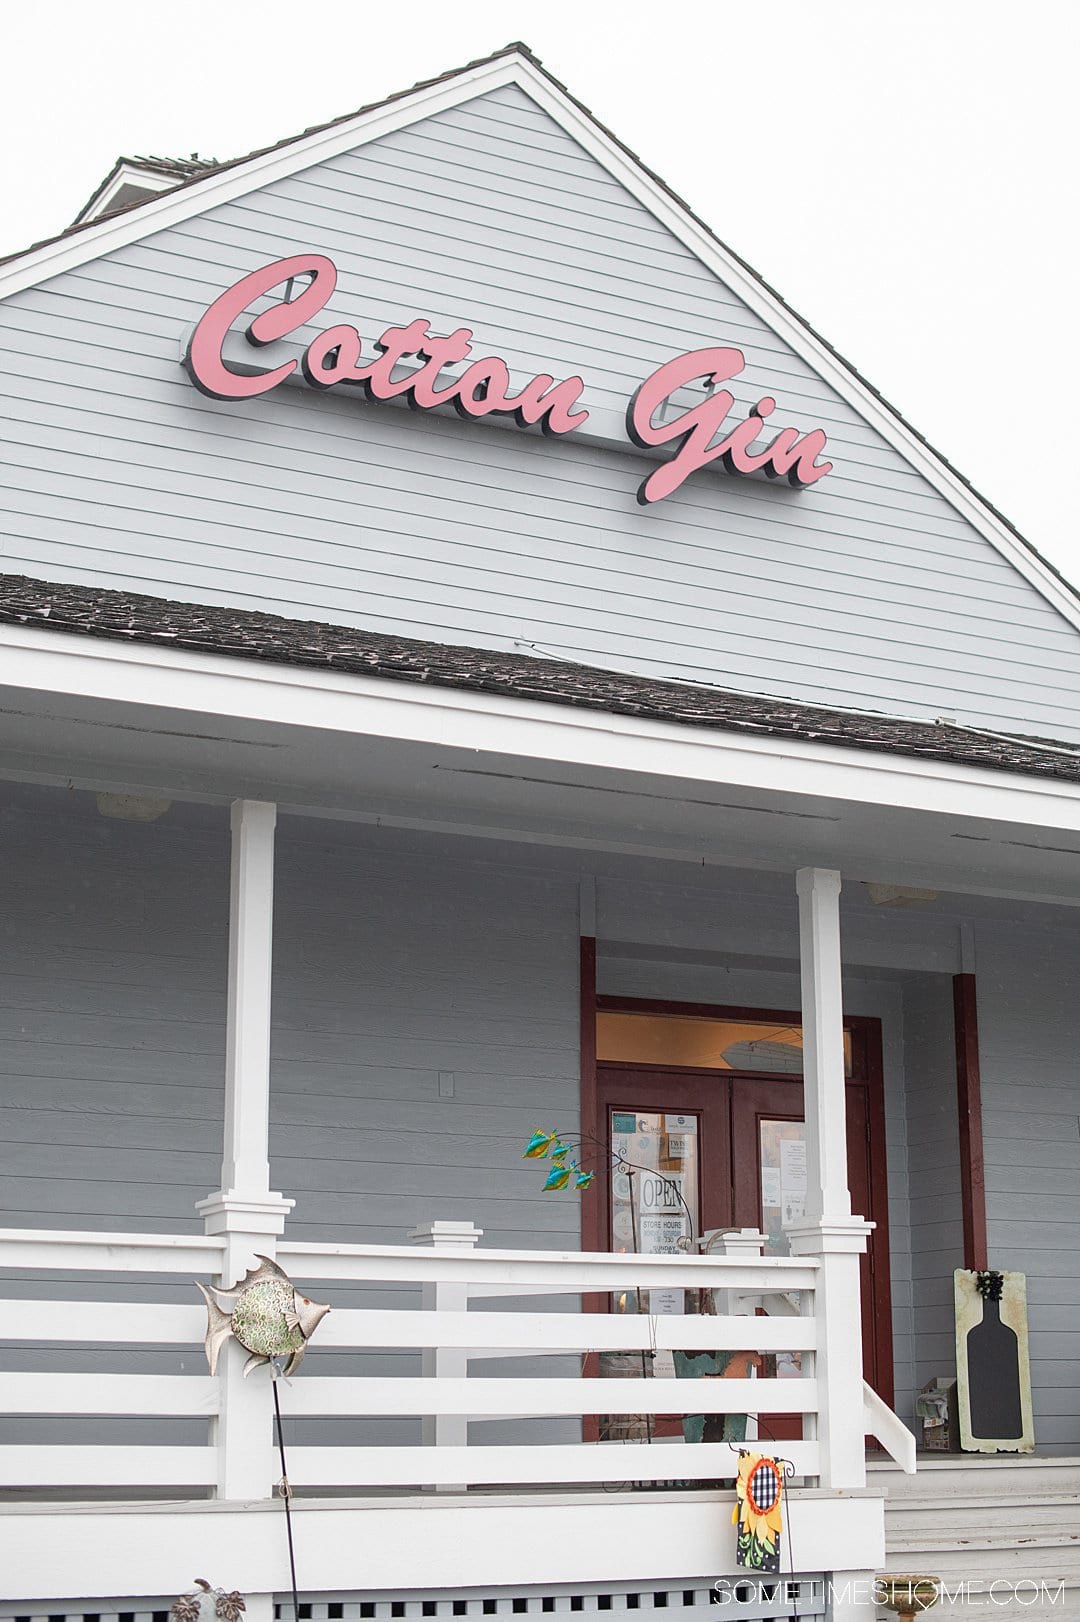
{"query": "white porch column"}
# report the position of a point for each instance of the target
(244, 1209)
(829, 1230)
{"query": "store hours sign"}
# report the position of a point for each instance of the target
(428, 370)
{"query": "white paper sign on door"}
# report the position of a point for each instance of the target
(659, 1235)
(792, 1180)
(667, 1303)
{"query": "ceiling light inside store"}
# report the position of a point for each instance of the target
(132, 807)
(899, 895)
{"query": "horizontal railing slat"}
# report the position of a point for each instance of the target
(145, 1394)
(48, 1466)
(562, 1331)
(565, 1271)
(111, 1252)
(542, 1398)
(546, 1464)
(150, 1323)
(146, 1323)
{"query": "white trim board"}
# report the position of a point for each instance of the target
(453, 718)
(515, 68)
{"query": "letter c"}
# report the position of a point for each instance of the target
(203, 358)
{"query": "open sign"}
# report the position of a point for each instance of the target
(657, 1192)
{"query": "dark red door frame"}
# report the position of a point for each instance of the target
(867, 1069)
(969, 1106)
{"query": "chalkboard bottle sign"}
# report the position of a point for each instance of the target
(994, 1369)
(994, 1387)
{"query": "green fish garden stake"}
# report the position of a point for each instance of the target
(542, 1144)
(269, 1318)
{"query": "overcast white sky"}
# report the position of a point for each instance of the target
(903, 171)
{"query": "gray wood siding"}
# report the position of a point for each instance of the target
(389, 972)
(867, 589)
(1029, 1033)
(112, 1011)
(399, 958)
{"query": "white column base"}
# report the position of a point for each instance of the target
(841, 1425)
(251, 1226)
(843, 1236)
(229, 1213)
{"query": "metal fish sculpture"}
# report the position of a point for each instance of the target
(269, 1317)
(539, 1144)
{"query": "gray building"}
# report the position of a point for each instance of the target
(382, 786)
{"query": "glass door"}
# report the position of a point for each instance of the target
(709, 1104)
(769, 1180)
(665, 1181)
(668, 1133)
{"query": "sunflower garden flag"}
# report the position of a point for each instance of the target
(759, 1491)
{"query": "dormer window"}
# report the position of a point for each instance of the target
(136, 180)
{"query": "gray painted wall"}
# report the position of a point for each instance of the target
(1029, 1028)
(866, 590)
(392, 970)
(400, 958)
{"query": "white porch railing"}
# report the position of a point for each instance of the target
(235, 1458)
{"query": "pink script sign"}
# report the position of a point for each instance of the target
(335, 358)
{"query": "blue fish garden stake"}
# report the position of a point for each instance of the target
(542, 1144)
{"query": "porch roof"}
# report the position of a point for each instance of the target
(245, 634)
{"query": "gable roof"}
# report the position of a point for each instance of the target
(516, 64)
(123, 616)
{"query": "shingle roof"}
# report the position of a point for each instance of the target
(239, 633)
(182, 168)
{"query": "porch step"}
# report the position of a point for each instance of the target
(987, 1524)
